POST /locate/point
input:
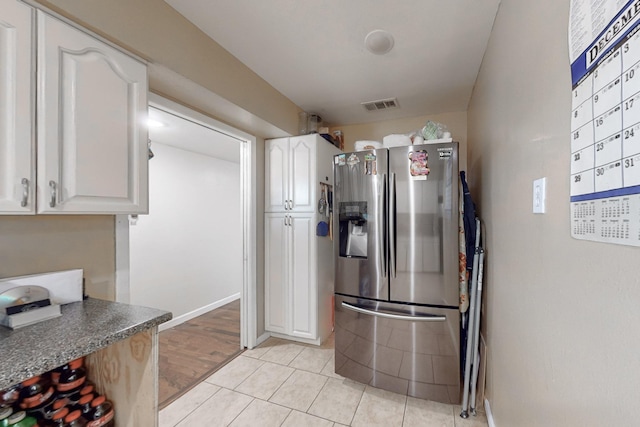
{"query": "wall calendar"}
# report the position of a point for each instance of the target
(604, 49)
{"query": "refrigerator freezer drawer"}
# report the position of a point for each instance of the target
(410, 350)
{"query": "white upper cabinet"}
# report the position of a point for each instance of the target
(17, 161)
(302, 151)
(92, 136)
(91, 98)
(277, 175)
(290, 166)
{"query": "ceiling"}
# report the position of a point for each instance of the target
(313, 52)
(185, 134)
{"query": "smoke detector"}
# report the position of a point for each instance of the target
(379, 42)
(380, 104)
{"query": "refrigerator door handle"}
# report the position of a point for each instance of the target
(392, 224)
(382, 221)
(392, 315)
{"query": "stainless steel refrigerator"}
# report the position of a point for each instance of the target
(397, 321)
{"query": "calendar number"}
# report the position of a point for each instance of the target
(629, 75)
(628, 104)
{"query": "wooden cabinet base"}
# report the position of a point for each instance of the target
(127, 373)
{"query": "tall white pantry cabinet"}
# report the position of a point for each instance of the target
(73, 136)
(299, 264)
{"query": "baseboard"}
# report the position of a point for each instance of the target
(297, 339)
(487, 410)
(197, 312)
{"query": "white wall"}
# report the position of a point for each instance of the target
(187, 253)
(561, 315)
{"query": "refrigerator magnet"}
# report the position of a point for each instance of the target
(341, 159)
(353, 160)
(370, 164)
(445, 153)
(418, 165)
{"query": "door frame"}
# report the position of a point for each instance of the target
(248, 197)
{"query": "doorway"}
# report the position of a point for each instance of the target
(204, 230)
(186, 254)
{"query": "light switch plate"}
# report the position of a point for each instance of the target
(539, 195)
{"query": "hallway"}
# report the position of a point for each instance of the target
(192, 351)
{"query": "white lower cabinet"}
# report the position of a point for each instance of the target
(290, 275)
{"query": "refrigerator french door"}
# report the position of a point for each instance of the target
(396, 247)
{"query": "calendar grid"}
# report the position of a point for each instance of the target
(605, 131)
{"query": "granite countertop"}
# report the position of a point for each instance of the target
(83, 328)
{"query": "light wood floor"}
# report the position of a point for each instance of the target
(192, 351)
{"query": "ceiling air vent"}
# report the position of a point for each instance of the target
(381, 104)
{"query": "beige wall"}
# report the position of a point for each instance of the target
(455, 122)
(155, 31)
(561, 315)
(39, 244)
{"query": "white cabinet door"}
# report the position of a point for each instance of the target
(92, 139)
(302, 155)
(17, 159)
(290, 275)
(276, 273)
(290, 164)
(276, 175)
(303, 277)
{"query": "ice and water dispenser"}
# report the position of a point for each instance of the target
(353, 229)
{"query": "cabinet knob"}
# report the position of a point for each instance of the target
(25, 192)
(52, 185)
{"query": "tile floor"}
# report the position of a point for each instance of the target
(282, 383)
